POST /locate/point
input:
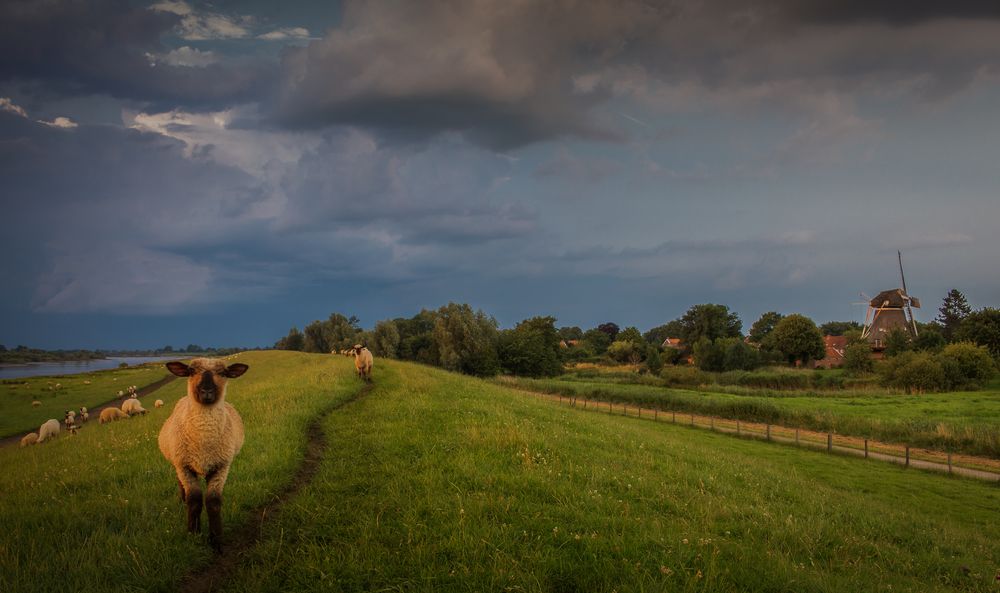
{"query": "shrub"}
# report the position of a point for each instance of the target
(972, 366)
(915, 372)
(686, 376)
(858, 358)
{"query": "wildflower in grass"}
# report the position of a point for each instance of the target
(666, 571)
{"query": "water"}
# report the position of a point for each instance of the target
(37, 369)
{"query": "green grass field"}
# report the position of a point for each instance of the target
(18, 416)
(967, 422)
(439, 482)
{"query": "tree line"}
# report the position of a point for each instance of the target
(459, 338)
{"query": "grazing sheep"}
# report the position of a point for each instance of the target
(120, 393)
(158, 403)
(29, 439)
(112, 414)
(84, 414)
(35, 403)
(363, 362)
(201, 437)
(50, 428)
(132, 407)
(86, 382)
(70, 419)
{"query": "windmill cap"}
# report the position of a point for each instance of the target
(894, 298)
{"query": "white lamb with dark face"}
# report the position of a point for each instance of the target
(201, 437)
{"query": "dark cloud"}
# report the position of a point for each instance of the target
(895, 12)
(506, 75)
(70, 47)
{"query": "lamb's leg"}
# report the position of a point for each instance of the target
(192, 496)
(213, 502)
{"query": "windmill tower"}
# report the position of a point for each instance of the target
(889, 310)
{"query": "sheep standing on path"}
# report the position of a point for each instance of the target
(201, 437)
(50, 428)
(363, 362)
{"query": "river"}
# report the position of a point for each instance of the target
(36, 369)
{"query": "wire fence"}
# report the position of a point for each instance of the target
(941, 461)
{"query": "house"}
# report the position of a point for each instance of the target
(834, 358)
(674, 343)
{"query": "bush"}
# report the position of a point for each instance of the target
(915, 372)
(972, 366)
(858, 359)
(685, 376)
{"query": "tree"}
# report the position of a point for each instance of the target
(838, 328)
(385, 339)
(897, 342)
(341, 332)
(293, 341)
(954, 309)
(738, 355)
(973, 366)
(315, 338)
(981, 327)
(764, 326)
(194, 348)
(858, 358)
(797, 338)
(466, 340)
(709, 321)
(598, 340)
(570, 333)
(609, 328)
(654, 362)
(626, 351)
(661, 332)
(709, 355)
(930, 338)
(531, 349)
(631, 334)
(914, 371)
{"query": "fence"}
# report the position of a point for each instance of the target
(941, 461)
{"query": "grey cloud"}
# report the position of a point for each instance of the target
(74, 48)
(896, 12)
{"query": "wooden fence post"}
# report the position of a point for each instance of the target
(829, 441)
(656, 414)
(584, 403)
(673, 416)
(907, 456)
(866, 448)
(711, 422)
(949, 462)
(609, 407)
(768, 432)
(692, 419)
(737, 427)
(796, 437)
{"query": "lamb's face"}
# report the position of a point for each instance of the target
(207, 378)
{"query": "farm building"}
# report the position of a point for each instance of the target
(834, 358)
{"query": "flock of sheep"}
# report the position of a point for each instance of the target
(73, 420)
(200, 438)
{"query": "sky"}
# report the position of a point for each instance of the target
(179, 172)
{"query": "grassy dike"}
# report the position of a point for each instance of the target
(967, 422)
(437, 482)
(100, 511)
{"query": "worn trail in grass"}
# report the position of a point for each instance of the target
(99, 511)
(445, 483)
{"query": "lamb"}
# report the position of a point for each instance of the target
(158, 403)
(132, 407)
(84, 414)
(363, 362)
(35, 403)
(200, 439)
(50, 428)
(112, 414)
(70, 419)
(29, 439)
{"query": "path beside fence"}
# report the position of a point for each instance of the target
(981, 468)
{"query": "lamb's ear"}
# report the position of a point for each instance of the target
(235, 370)
(179, 368)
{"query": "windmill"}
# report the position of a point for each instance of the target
(890, 310)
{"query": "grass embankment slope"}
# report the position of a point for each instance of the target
(100, 511)
(967, 422)
(445, 483)
(18, 416)
(438, 482)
